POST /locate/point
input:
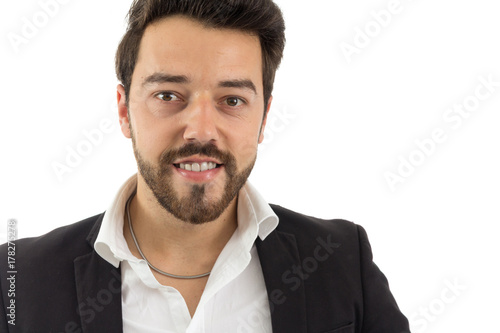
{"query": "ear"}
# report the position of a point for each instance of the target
(263, 126)
(123, 111)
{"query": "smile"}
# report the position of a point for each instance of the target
(198, 167)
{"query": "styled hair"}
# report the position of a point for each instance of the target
(262, 18)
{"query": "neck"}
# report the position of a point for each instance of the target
(176, 246)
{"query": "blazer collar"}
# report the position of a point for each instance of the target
(278, 255)
(98, 287)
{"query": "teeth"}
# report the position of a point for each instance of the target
(198, 167)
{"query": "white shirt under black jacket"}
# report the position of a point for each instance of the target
(235, 297)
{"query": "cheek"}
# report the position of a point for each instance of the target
(245, 145)
(153, 137)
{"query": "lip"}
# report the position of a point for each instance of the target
(198, 177)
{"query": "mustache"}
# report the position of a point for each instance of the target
(208, 150)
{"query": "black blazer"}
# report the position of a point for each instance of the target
(319, 275)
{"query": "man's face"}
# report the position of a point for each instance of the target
(195, 114)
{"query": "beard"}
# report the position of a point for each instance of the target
(196, 207)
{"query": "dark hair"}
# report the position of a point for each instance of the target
(260, 17)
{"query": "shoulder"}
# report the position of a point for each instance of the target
(64, 242)
(44, 272)
(302, 225)
(347, 239)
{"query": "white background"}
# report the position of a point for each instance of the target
(343, 125)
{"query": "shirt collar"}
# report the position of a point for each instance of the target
(253, 212)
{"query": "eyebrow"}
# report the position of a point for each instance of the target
(164, 78)
(245, 84)
(158, 78)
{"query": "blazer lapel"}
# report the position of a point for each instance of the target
(278, 256)
(98, 287)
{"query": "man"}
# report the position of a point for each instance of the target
(188, 245)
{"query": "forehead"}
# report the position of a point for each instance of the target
(181, 46)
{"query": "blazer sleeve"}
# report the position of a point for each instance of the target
(381, 313)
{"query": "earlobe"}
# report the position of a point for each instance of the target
(263, 126)
(123, 114)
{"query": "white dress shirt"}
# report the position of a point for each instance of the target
(235, 297)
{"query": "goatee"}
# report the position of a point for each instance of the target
(196, 207)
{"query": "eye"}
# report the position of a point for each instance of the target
(234, 101)
(167, 96)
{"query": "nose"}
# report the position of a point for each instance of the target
(201, 122)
